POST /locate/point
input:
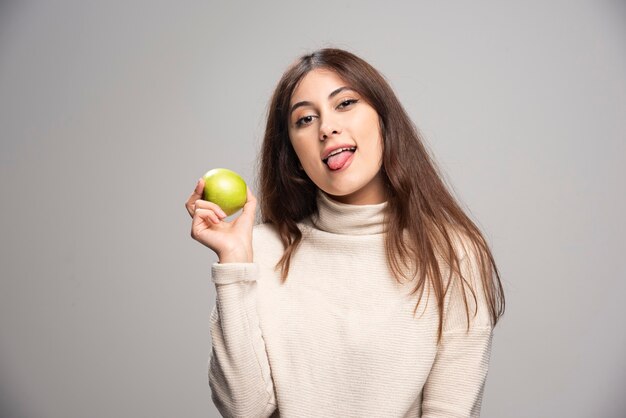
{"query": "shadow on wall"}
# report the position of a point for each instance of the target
(8, 409)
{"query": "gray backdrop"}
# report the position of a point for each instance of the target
(110, 111)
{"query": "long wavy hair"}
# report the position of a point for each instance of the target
(422, 215)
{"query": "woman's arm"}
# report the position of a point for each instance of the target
(239, 371)
(454, 388)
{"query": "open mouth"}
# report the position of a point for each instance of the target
(338, 158)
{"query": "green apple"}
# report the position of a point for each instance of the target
(226, 189)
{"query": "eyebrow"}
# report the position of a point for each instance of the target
(330, 96)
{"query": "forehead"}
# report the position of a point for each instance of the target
(317, 83)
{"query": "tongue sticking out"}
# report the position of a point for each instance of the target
(338, 160)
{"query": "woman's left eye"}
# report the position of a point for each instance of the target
(347, 103)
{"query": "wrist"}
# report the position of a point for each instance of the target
(234, 257)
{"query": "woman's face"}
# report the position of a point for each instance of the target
(336, 135)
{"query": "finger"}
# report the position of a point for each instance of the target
(207, 214)
(249, 209)
(205, 204)
(250, 201)
(250, 197)
(199, 187)
(197, 194)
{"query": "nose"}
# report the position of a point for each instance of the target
(328, 129)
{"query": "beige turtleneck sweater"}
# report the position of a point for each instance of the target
(339, 338)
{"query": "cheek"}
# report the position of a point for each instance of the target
(303, 144)
(304, 154)
(299, 152)
(368, 122)
(371, 131)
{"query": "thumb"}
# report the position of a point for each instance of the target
(199, 187)
(249, 210)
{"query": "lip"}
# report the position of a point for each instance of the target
(330, 149)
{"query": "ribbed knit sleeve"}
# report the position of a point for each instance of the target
(454, 388)
(239, 372)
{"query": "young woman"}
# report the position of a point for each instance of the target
(366, 291)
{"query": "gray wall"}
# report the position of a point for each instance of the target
(110, 111)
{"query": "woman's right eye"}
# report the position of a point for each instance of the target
(305, 120)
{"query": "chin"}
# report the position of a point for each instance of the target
(339, 192)
(343, 196)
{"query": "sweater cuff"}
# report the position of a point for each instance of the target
(234, 272)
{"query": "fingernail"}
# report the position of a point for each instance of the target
(222, 213)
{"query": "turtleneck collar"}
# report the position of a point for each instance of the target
(342, 218)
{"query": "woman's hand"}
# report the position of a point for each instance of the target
(231, 241)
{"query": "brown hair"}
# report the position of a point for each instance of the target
(423, 217)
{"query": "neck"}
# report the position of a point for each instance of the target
(358, 199)
(373, 193)
(351, 219)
